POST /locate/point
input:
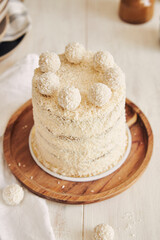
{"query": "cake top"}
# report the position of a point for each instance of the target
(78, 82)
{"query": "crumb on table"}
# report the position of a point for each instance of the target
(25, 126)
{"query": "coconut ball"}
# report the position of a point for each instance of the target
(13, 194)
(103, 232)
(48, 83)
(49, 61)
(115, 78)
(99, 94)
(74, 52)
(102, 61)
(69, 98)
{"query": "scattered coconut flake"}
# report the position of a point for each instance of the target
(128, 226)
(74, 52)
(92, 191)
(63, 186)
(133, 235)
(19, 164)
(13, 194)
(31, 177)
(25, 126)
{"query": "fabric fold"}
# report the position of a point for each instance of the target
(30, 219)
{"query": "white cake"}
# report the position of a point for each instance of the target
(79, 112)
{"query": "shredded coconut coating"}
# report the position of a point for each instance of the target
(13, 194)
(47, 83)
(99, 94)
(102, 61)
(49, 61)
(84, 142)
(115, 78)
(103, 232)
(74, 52)
(69, 98)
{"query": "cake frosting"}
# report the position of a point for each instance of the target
(80, 126)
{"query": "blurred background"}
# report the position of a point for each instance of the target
(95, 23)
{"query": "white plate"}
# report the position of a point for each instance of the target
(84, 179)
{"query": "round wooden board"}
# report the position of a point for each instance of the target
(21, 164)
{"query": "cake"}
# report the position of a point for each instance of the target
(78, 102)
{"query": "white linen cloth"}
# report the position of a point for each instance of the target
(19, 21)
(29, 220)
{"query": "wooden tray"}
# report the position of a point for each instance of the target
(21, 164)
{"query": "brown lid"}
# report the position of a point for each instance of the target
(136, 11)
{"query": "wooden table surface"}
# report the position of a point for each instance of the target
(134, 214)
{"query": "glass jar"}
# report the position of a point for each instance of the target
(136, 11)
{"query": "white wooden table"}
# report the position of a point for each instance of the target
(134, 214)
